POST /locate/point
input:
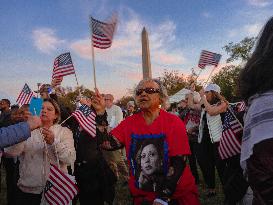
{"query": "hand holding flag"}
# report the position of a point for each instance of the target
(86, 118)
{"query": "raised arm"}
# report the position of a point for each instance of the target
(19, 132)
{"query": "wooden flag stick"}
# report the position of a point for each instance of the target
(66, 119)
(210, 75)
(93, 53)
(198, 75)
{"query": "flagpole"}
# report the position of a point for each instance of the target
(198, 75)
(78, 84)
(210, 75)
(93, 62)
(93, 53)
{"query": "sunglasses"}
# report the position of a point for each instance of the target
(147, 90)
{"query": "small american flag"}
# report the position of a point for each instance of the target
(59, 189)
(102, 33)
(25, 95)
(63, 66)
(241, 106)
(230, 142)
(208, 58)
(86, 118)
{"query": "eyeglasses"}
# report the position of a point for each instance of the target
(107, 99)
(147, 90)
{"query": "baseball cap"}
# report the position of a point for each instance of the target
(213, 87)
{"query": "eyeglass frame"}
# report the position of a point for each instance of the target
(147, 90)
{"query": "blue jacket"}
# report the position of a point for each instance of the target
(14, 134)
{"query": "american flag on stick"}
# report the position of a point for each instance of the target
(59, 189)
(86, 118)
(63, 66)
(208, 58)
(230, 142)
(25, 95)
(103, 32)
(57, 81)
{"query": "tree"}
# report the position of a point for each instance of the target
(124, 100)
(69, 97)
(228, 77)
(240, 51)
(173, 81)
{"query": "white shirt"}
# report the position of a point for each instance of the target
(114, 116)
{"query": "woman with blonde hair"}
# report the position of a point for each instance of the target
(47, 144)
(212, 106)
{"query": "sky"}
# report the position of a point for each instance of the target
(34, 33)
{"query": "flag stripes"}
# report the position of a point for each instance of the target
(230, 142)
(86, 118)
(102, 33)
(25, 95)
(59, 189)
(63, 66)
(208, 58)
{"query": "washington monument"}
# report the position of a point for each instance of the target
(146, 62)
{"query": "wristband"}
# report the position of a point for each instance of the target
(161, 201)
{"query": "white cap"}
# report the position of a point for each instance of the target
(213, 87)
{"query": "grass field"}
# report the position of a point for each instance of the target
(123, 195)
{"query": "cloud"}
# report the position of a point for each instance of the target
(206, 14)
(246, 30)
(126, 49)
(259, 3)
(45, 40)
(253, 29)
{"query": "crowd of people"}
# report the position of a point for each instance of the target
(148, 146)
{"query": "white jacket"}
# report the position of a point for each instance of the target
(34, 163)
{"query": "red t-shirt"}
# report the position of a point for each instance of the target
(148, 149)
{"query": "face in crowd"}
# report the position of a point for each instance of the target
(130, 108)
(149, 159)
(108, 100)
(50, 113)
(4, 105)
(148, 95)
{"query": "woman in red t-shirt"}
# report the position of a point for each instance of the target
(157, 145)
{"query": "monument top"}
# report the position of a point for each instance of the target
(146, 62)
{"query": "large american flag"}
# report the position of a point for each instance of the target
(25, 95)
(63, 66)
(86, 118)
(208, 58)
(230, 142)
(59, 189)
(102, 33)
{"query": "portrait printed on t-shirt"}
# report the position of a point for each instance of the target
(148, 157)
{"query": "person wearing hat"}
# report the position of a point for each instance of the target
(212, 106)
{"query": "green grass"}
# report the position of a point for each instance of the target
(123, 194)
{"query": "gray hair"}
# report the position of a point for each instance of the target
(162, 90)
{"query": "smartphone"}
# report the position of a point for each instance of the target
(35, 106)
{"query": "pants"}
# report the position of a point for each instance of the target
(23, 198)
(193, 160)
(96, 182)
(209, 159)
(12, 175)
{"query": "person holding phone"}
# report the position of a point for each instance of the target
(39, 151)
(19, 132)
